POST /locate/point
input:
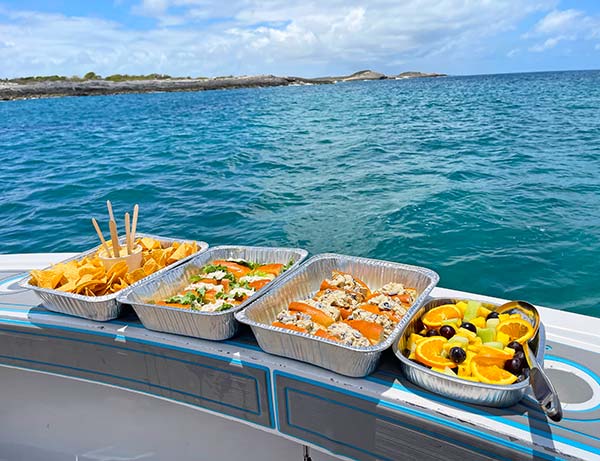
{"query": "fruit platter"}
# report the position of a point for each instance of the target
(466, 350)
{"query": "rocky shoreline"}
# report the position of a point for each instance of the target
(51, 89)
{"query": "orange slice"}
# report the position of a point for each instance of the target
(488, 356)
(517, 329)
(435, 317)
(429, 352)
(492, 374)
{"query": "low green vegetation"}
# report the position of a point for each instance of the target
(93, 76)
(126, 77)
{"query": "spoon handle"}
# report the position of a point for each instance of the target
(543, 390)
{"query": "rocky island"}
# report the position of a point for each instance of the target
(91, 84)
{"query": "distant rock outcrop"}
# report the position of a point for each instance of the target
(364, 75)
(417, 75)
(40, 87)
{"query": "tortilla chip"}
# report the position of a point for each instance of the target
(48, 278)
(150, 267)
(120, 269)
(89, 277)
(149, 243)
(134, 276)
(178, 254)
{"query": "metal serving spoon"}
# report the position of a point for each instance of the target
(543, 390)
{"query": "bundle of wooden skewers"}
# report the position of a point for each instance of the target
(130, 231)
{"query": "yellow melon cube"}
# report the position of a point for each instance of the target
(462, 306)
(483, 312)
(502, 338)
(467, 333)
(479, 322)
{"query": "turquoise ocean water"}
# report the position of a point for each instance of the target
(492, 181)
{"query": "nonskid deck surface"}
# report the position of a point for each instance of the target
(375, 417)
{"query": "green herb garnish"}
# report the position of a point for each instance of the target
(224, 307)
(288, 265)
(243, 262)
(187, 298)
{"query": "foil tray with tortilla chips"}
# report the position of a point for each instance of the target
(82, 287)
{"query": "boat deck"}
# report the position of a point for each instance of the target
(379, 417)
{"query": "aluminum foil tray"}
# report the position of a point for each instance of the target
(456, 388)
(304, 283)
(206, 325)
(100, 308)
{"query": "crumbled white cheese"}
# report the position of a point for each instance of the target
(216, 275)
(392, 289)
(256, 278)
(240, 292)
(205, 286)
(212, 307)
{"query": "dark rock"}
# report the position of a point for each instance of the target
(78, 87)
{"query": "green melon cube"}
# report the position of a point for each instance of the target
(495, 345)
(492, 323)
(487, 335)
(471, 310)
(461, 340)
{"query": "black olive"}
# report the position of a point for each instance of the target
(457, 354)
(516, 346)
(469, 326)
(447, 331)
(492, 315)
(419, 325)
(514, 365)
(519, 355)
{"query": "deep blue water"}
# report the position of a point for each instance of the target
(493, 181)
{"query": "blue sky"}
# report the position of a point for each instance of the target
(307, 38)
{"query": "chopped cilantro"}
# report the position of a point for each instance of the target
(213, 268)
(288, 265)
(243, 262)
(245, 284)
(224, 307)
(187, 298)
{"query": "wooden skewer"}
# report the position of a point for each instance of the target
(99, 232)
(115, 238)
(111, 216)
(136, 210)
(128, 235)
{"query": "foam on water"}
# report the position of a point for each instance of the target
(493, 181)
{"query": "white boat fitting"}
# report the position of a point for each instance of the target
(83, 390)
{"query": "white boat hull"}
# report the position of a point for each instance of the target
(78, 389)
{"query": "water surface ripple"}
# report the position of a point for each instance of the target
(493, 181)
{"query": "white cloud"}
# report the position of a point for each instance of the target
(209, 37)
(566, 25)
(558, 21)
